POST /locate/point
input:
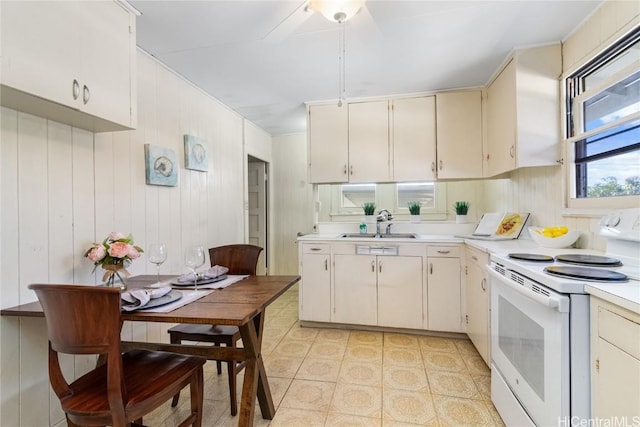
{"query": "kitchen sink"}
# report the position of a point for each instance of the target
(383, 236)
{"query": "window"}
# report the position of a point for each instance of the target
(344, 202)
(356, 195)
(423, 192)
(603, 122)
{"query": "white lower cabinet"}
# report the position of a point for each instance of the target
(615, 362)
(378, 290)
(400, 291)
(315, 287)
(381, 289)
(478, 307)
(355, 292)
(444, 311)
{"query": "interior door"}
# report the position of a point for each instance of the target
(257, 180)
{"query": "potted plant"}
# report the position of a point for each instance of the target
(414, 210)
(369, 209)
(461, 208)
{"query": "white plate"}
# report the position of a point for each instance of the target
(200, 282)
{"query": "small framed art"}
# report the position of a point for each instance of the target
(195, 153)
(161, 166)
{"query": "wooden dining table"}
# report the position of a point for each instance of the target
(241, 304)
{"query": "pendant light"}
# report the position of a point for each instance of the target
(339, 11)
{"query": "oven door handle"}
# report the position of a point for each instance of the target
(550, 301)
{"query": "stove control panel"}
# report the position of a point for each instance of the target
(623, 224)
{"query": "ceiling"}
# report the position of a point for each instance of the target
(265, 66)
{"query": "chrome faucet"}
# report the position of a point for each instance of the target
(383, 215)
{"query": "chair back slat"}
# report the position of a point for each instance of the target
(238, 258)
(80, 319)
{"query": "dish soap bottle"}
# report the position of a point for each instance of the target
(363, 228)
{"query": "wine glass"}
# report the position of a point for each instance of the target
(157, 254)
(194, 259)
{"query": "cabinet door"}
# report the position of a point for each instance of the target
(501, 122)
(39, 48)
(355, 294)
(400, 292)
(459, 135)
(615, 370)
(616, 384)
(106, 48)
(315, 288)
(477, 318)
(414, 139)
(369, 141)
(328, 143)
(443, 294)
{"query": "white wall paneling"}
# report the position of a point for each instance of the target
(64, 188)
(293, 200)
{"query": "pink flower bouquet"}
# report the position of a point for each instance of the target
(113, 254)
(115, 249)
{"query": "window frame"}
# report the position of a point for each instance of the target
(573, 122)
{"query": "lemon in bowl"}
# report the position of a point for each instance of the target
(554, 237)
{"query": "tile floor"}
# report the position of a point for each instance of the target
(333, 377)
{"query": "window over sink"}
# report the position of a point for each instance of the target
(603, 123)
(343, 202)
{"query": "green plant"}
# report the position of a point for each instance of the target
(461, 208)
(369, 208)
(414, 208)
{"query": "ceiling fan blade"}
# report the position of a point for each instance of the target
(289, 24)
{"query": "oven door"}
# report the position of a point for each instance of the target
(530, 351)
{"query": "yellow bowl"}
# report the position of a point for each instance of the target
(563, 241)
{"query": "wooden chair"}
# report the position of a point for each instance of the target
(239, 259)
(86, 320)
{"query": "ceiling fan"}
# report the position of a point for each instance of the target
(338, 11)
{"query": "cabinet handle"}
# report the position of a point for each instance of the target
(440, 164)
(443, 252)
(473, 257)
(373, 266)
(86, 95)
(326, 265)
(433, 166)
(483, 284)
(512, 151)
(430, 268)
(75, 89)
(351, 170)
(344, 170)
(380, 267)
(316, 249)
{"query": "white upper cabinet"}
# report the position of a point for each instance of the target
(72, 62)
(327, 129)
(369, 142)
(360, 143)
(459, 134)
(414, 139)
(523, 116)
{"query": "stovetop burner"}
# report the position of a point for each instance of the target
(590, 260)
(532, 257)
(586, 273)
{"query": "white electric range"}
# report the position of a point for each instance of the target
(540, 323)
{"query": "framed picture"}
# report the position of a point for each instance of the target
(195, 153)
(161, 166)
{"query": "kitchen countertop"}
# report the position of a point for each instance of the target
(626, 295)
(420, 238)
